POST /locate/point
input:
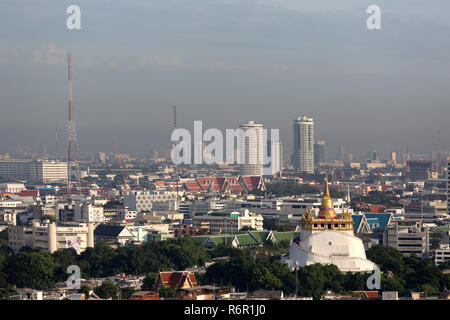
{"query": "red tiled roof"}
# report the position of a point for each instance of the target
(28, 193)
(176, 279)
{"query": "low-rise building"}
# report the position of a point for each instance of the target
(412, 239)
(50, 237)
(228, 221)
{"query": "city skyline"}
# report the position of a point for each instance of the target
(368, 90)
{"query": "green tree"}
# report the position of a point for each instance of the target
(387, 258)
(126, 293)
(150, 280)
(311, 281)
(64, 258)
(85, 290)
(167, 292)
(107, 290)
(31, 269)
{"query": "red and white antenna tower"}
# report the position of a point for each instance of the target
(174, 127)
(72, 145)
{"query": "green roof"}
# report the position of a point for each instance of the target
(260, 236)
(246, 240)
(282, 236)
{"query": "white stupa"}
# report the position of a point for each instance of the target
(328, 239)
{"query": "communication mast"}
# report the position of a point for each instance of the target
(176, 164)
(72, 144)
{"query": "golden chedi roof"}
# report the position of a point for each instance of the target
(327, 207)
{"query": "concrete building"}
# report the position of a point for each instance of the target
(228, 221)
(113, 234)
(11, 187)
(304, 144)
(319, 152)
(275, 153)
(251, 150)
(442, 254)
(408, 239)
(88, 212)
(419, 170)
(34, 170)
(49, 237)
(151, 201)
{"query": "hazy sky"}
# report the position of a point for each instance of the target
(226, 62)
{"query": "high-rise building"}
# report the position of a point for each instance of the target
(251, 149)
(275, 153)
(319, 152)
(419, 170)
(304, 144)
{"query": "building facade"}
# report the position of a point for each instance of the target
(408, 239)
(251, 150)
(151, 200)
(319, 152)
(304, 144)
(49, 237)
(34, 170)
(228, 221)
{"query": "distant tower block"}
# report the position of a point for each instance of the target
(304, 144)
(251, 151)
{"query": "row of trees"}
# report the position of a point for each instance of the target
(41, 270)
(248, 274)
(399, 273)
(406, 274)
(243, 270)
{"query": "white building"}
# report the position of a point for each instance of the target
(34, 170)
(228, 221)
(276, 156)
(49, 237)
(304, 144)
(328, 239)
(251, 149)
(442, 254)
(408, 239)
(150, 200)
(11, 187)
(88, 212)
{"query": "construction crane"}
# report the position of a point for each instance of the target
(119, 163)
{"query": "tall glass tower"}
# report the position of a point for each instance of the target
(304, 144)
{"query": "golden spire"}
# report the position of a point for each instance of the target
(327, 207)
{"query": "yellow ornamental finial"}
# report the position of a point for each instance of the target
(327, 191)
(327, 207)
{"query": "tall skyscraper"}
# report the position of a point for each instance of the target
(251, 149)
(304, 144)
(275, 152)
(319, 152)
